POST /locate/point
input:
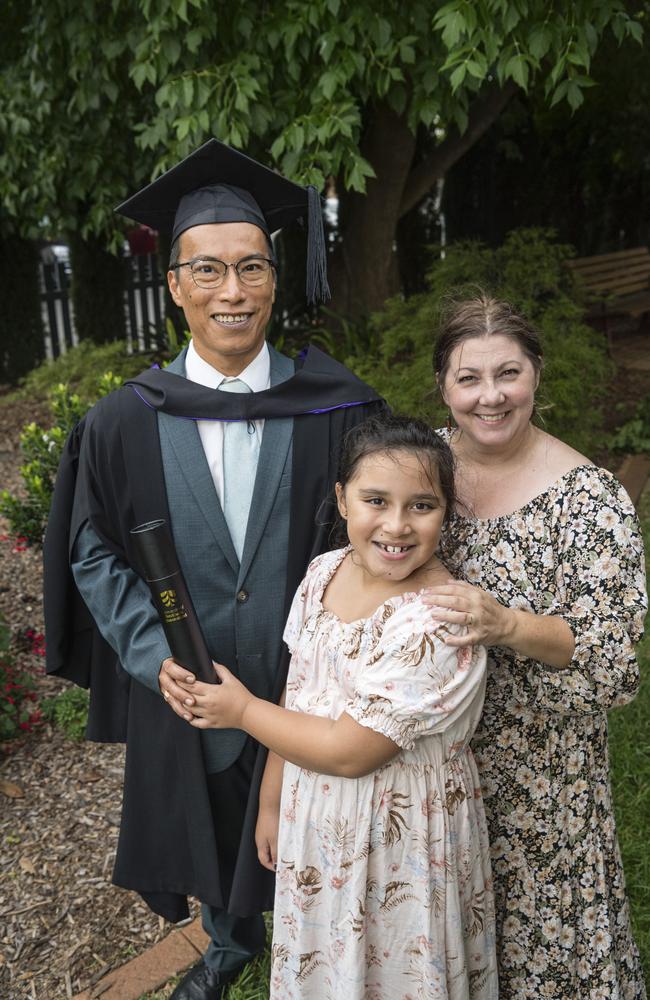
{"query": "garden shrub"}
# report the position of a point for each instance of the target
(78, 369)
(528, 271)
(18, 710)
(68, 711)
(634, 435)
(78, 388)
(28, 515)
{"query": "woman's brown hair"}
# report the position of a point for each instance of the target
(480, 317)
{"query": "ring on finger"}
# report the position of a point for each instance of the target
(166, 695)
(470, 618)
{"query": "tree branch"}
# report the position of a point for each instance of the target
(482, 114)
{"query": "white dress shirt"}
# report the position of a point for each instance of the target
(257, 377)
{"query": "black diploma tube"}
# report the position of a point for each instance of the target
(157, 555)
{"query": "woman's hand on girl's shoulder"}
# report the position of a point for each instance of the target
(456, 602)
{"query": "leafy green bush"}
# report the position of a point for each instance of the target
(18, 711)
(77, 387)
(634, 435)
(28, 515)
(69, 711)
(528, 271)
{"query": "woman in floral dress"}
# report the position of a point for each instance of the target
(550, 549)
(384, 889)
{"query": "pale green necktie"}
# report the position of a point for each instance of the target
(241, 449)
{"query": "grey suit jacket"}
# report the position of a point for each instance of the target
(240, 606)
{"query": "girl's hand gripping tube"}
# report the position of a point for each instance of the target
(159, 562)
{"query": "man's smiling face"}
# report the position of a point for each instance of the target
(227, 323)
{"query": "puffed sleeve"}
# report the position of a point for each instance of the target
(601, 594)
(411, 684)
(310, 590)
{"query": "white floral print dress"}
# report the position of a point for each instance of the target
(383, 886)
(563, 926)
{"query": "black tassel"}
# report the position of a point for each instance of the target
(317, 287)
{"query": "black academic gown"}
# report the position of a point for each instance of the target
(166, 848)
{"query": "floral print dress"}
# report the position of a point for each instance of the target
(383, 885)
(563, 926)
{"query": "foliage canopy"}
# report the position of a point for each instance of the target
(96, 96)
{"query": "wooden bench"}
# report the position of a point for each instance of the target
(616, 284)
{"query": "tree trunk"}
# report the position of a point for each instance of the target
(363, 269)
(363, 272)
(97, 290)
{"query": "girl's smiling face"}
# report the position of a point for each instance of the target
(489, 386)
(394, 507)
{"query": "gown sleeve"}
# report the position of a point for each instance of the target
(412, 684)
(601, 594)
(121, 606)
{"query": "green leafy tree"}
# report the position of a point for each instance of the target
(584, 174)
(107, 92)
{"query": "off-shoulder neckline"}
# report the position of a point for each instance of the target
(396, 601)
(584, 466)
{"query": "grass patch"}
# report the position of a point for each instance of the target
(629, 744)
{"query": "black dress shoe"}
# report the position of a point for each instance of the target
(202, 983)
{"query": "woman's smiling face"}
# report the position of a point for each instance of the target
(394, 512)
(489, 386)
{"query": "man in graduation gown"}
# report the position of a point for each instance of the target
(236, 447)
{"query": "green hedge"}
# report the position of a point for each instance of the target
(79, 369)
(72, 383)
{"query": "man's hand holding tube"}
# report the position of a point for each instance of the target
(178, 697)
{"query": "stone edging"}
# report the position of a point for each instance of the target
(151, 970)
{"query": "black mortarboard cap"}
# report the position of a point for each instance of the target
(217, 183)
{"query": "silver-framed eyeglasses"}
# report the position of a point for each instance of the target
(209, 272)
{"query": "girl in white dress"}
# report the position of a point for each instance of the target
(384, 889)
